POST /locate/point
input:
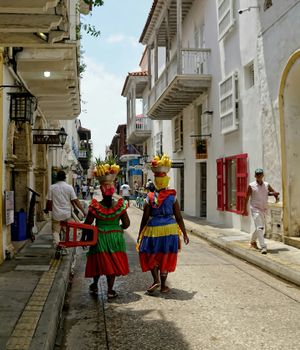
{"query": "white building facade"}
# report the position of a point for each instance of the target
(214, 82)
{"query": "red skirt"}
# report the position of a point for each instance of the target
(107, 264)
(164, 262)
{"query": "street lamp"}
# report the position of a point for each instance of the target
(22, 106)
(62, 135)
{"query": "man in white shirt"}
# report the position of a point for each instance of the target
(60, 199)
(259, 191)
(125, 192)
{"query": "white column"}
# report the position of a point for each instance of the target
(156, 57)
(179, 36)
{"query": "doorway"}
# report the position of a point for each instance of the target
(202, 190)
(289, 107)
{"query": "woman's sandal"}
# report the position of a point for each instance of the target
(112, 295)
(93, 288)
(153, 287)
(165, 290)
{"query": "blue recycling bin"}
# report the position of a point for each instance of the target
(18, 228)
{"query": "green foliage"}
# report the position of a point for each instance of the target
(108, 160)
(87, 27)
(94, 2)
(90, 29)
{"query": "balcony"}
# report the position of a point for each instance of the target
(138, 129)
(46, 32)
(181, 82)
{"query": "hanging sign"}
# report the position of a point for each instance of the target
(9, 207)
(46, 139)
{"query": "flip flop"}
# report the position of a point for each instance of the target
(93, 288)
(112, 295)
(166, 290)
(152, 288)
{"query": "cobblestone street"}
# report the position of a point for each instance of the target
(216, 302)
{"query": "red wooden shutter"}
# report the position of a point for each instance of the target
(241, 181)
(220, 185)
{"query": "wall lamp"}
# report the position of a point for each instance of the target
(22, 107)
(46, 137)
(247, 9)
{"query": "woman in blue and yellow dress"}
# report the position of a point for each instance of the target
(160, 231)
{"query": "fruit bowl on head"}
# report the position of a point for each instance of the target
(107, 178)
(160, 169)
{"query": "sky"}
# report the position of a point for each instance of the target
(109, 58)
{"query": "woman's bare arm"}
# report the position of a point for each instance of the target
(180, 222)
(125, 221)
(145, 218)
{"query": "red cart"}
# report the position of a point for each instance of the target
(73, 239)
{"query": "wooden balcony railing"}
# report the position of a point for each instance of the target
(193, 62)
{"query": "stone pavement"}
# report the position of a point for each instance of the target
(32, 290)
(34, 284)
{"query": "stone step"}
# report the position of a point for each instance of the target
(293, 241)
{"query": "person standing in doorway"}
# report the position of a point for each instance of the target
(258, 192)
(125, 192)
(60, 199)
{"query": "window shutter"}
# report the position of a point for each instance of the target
(241, 181)
(225, 17)
(205, 124)
(178, 134)
(220, 185)
(228, 104)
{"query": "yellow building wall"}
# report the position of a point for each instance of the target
(1, 158)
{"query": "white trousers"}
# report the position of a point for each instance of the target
(260, 225)
(57, 231)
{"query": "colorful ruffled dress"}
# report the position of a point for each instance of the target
(160, 239)
(108, 256)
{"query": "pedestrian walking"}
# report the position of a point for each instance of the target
(60, 199)
(108, 257)
(84, 190)
(136, 188)
(77, 189)
(91, 191)
(160, 230)
(258, 192)
(125, 192)
(150, 186)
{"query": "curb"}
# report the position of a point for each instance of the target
(285, 272)
(46, 331)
